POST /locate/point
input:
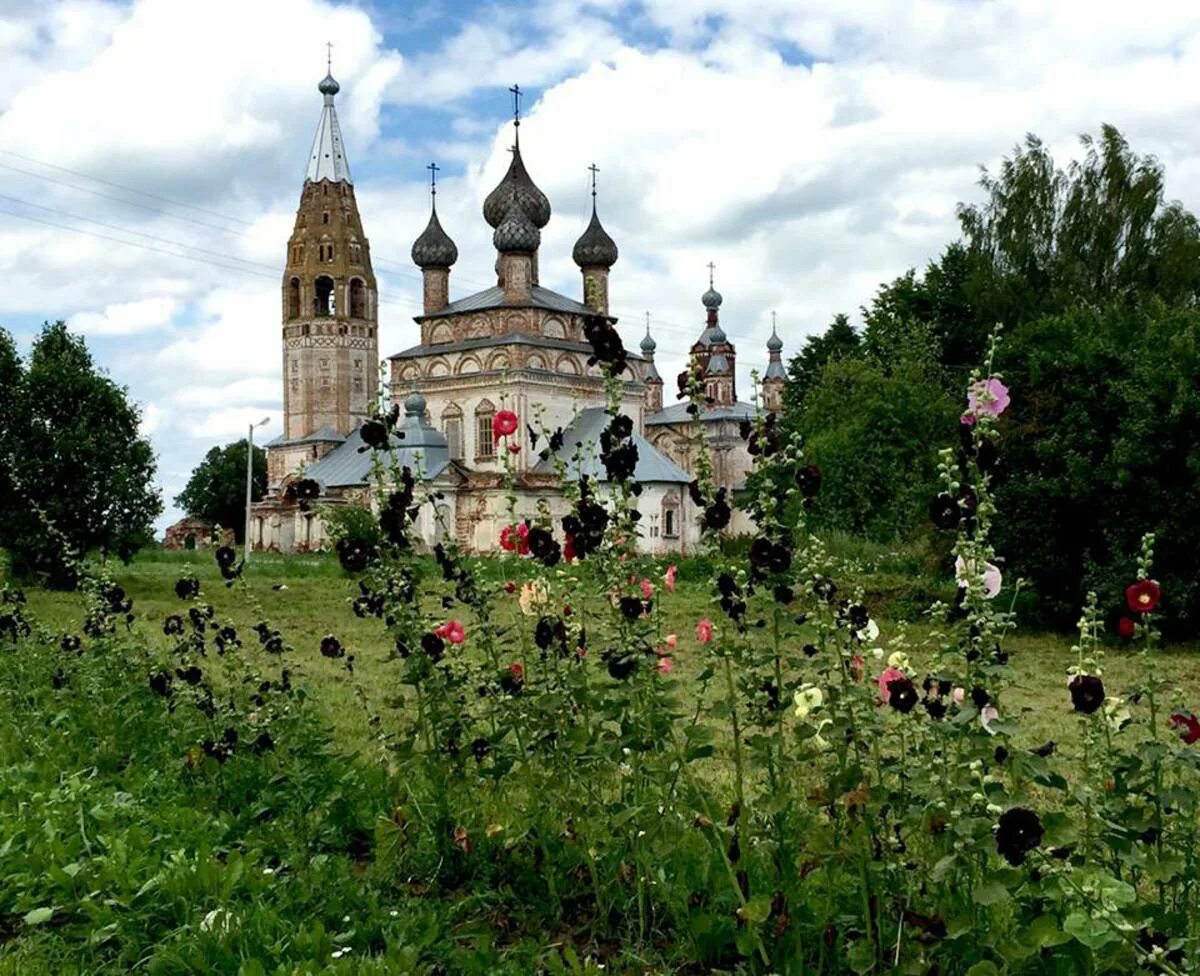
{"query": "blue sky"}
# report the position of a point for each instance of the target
(151, 158)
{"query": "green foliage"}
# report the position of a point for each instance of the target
(216, 491)
(351, 522)
(77, 460)
(804, 369)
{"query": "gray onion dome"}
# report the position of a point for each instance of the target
(648, 344)
(516, 232)
(414, 404)
(774, 344)
(517, 185)
(434, 248)
(329, 86)
(595, 249)
(711, 298)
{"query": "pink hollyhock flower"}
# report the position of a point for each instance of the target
(647, 589)
(889, 675)
(987, 715)
(669, 578)
(704, 631)
(503, 423)
(967, 420)
(665, 665)
(992, 578)
(452, 631)
(988, 396)
(958, 694)
(671, 640)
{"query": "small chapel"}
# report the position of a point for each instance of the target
(515, 346)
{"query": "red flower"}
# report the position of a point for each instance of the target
(1190, 726)
(515, 537)
(452, 631)
(514, 448)
(1125, 627)
(568, 549)
(517, 670)
(1143, 596)
(510, 587)
(503, 423)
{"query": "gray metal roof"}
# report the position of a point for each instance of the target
(718, 365)
(322, 436)
(512, 338)
(327, 161)
(677, 414)
(345, 466)
(652, 464)
(494, 298)
(775, 371)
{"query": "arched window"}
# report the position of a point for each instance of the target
(323, 296)
(297, 254)
(670, 518)
(452, 427)
(325, 217)
(358, 299)
(485, 444)
(355, 252)
(293, 299)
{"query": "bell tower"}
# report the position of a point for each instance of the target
(330, 307)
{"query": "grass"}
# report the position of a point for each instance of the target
(308, 596)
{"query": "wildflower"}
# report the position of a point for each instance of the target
(704, 630)
(1087, 693)
(987, 715)
(1125, 628)
(943, 511)
(173, 625)
(533, 595)
(331, 647)
(808, 480)
(902, 694)
(1143, 596)
(504, 422)
(1018, 832)
(452, 631)
(187, 587)
(1189, 726)
(647, 589)
(669, 578)
(990, 576)
(664, 665)
(889, 675)
(515, 538)
(988, 396)
(808, 698)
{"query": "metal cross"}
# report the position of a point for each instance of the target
(711, 268)
(594, 169)
(647, 323)
(433, 172)
(772, 321)
(516, 94)
(329, 57)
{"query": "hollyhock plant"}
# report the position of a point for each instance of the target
(504, 422)
(1126, 628)
(452, 631)
(885, 679)
(991, 576)
(669, 578)
(1018, 832)
(988, 396)
(665, 665)
(704, 631)
(1143, 596)
(1188, 725)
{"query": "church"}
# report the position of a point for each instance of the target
(516, 346)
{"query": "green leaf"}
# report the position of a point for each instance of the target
(984, 968)
(38, 916)
(1043, 932)
(1092, 932)
(990, 893)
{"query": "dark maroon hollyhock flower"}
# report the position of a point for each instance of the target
(1000, 755)
(606, 344)
(433, 645)
(480, 748)
(1087, 693)
(160, 683)
(810, 650)
(1046, 749)
(331, 647)
(621, 666)
(631, 607)
(718, 514)
(374, 432)
(1018, 832)
(187, 587)
(1188, 725)
(191, 674)
(226, 639)
(262, 743)
(355, 553)
(1150, 941)
(783, 594)
(226, 556)
(1143, 596)
(825, 590)
(808, 480)
(173, 625)
(1126, 628)
(760, 552)
(694, 492)
(858, 616)
(980, 697)
(70, 643)
(307, 492)
(943, 511)
(543, 546)
(902, 695)
(935, 707)
(619, 460)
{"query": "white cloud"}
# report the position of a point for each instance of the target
(125, 318)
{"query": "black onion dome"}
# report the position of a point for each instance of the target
(517, 184)
(516, 232)
(434, 249)
(594, 247)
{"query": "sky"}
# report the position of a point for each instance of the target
(152, 154)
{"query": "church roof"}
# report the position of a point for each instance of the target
(594, 247)
(775, 371)
(677, 414)
(322, 436)
(346, 466)
(510, 339)
(541, 297)
(327, 161)
(652, 464)
(434, 248)
(517, 186)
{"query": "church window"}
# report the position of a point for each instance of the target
(355, 252)
(325, 217)
(293, 299)
(358, 384)
(653, 526)
(358, 364)
(358, 298)
(297, 254)
(323, 298)
(669, 523)
(454, 438)
(485, 445)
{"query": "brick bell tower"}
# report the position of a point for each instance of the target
(330, 308)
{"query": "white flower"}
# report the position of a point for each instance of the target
(808, 697)
(869, 632)
(1116, 713)
(989, 575)
(819, 741)
(987, 715)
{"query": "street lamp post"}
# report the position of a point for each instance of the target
(249, 482)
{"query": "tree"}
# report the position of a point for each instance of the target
(78, 459)
(836, 342)
(216, 491)
(12, 422)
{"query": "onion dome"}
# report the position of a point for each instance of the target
(434, 249)
(329, 86)
(595, 249)
(517, 185)
(774, 344)
(414, 404)
(516, 232)
(648, 343)
(711, 298)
